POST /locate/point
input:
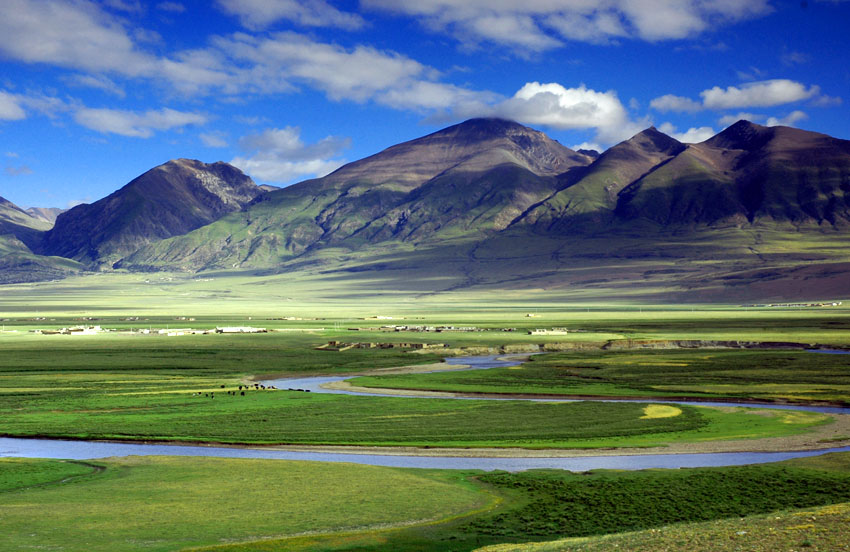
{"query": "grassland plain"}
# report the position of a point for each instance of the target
(188, 389)
(165, 504)
(706, 374)
(818, 529)
(541, 504)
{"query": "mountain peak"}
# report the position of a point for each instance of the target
(742, 135)
(655, 140)
(487, 126)
(170, 199)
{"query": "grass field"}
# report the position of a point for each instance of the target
(187, 389)
(820, 528)
(229, 505)
(156, 503)
(788, 376)
(153, 387)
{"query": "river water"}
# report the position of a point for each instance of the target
(85, 450)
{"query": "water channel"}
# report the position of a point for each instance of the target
(83, 450)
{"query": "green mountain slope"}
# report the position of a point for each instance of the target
(463, 182)
(490, 206)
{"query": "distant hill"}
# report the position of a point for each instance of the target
(20, 224)
(491, 205)
(166, 201)
(47, 214)
(19, 230)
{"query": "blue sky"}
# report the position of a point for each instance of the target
(92, 94)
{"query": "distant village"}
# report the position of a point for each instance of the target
(171, 332)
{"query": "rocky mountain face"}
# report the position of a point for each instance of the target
(166, 201)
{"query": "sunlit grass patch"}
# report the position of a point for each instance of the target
(660, 411)
(157, 503)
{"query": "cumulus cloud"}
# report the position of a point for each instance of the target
(358, 74)
(215, 139)
(677, 104)
(791, 119)
(78, 35)
(280, 156)
(10, 107)
(788, 120)
(139, 125)
(81, 35)
(553, 105)
(693, 135)
(727, 120)
(98, 82)
(445, 100)
(260, 14)
(768, 93)
(14, 107)
(537, 25)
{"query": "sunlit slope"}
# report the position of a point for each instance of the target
(465, 182)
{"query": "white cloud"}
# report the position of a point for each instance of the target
(554, 105)
(537, 25)
(260, 14)
(10, 107)
(590, 146)
(280, 156)
(78, 35)
(728, 120)
(215, 139)
(439, 97)
(18, 171)
(124, 5)
(678, 104)
(357, 74)
(826, 101)
(130, 123)
(767, 93)
(789, 120)
(693, 135)
(98, 82)
(14, 107)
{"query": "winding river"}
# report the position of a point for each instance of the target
(83, 450)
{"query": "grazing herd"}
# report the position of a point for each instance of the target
(243, 388)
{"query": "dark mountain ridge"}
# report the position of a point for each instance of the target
(169, 200)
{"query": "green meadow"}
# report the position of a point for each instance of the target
(169, 503)
(707, 374)
(193, 388)
(172, 503)
(130, 386)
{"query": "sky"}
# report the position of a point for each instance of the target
(93, 94)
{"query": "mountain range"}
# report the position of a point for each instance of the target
(753, 212)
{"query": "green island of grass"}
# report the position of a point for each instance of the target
(706, 374)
